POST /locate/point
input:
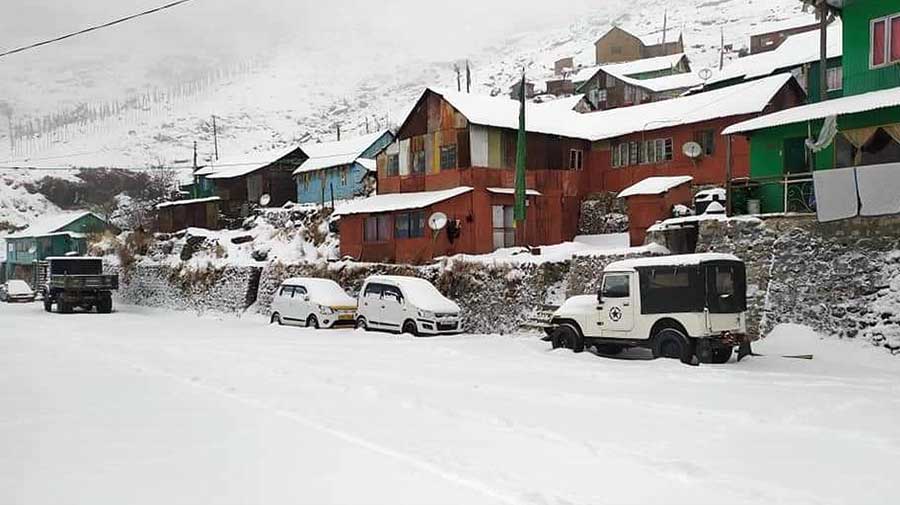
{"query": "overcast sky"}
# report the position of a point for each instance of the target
(225, 25)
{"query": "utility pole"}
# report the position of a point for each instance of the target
(458, 77)
(722, 50)
(338, 132)
(195, 191)
(665, 27)
(823, 50)
(215, 138)
(468, 77)
(12, 140)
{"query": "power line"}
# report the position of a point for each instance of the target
(93, 28)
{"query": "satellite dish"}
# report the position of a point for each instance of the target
(32, 249)
(438, 221)
(704, 74)
(265, 200)
(692, 150)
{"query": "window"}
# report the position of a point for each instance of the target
(576, 159)
(374, 290)
(503, 226)
(668, 153)
(707, 140)
(393, 165)
(287, 291)
(448, 157)
(392, 293)
(344, 172)
(629, 94)
(885, 41)
(615, 286)
(418, 166)
(377, 228)
(633, 153)
(409, 225)
(306, 178)
(835, 78)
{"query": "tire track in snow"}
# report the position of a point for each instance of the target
(416, 462)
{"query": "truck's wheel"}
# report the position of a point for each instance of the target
(671, 343)
(48, 305)
(104, 306)
(63, 307)
(567, 338)
(722, 355)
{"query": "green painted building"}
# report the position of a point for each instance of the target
(52, 236)
(868, 115)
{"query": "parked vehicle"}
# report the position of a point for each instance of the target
(678, 306)
(315, 303)
(16, 291)
(78, 282)
(406, 305)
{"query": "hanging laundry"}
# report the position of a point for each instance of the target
(836, 194)
(879, 189)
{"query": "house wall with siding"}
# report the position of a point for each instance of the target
(858, 77)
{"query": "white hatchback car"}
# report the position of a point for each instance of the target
(16, 291)
(315, 303)
(408, 305)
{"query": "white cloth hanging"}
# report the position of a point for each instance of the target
(879, 189)
(836, 194)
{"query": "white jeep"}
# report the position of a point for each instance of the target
(678, 306)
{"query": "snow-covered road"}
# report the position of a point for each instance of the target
(153, 407)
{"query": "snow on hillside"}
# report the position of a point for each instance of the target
(303, 91)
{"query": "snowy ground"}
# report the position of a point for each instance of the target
(150, 407)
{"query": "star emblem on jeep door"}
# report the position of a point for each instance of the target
(615, 314)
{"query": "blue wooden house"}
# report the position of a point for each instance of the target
(339, 170)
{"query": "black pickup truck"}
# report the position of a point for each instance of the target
(78, 282)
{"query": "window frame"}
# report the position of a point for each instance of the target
(704, 134)
(416, 157)
(839, 71)
(345, 175)
(445, 150)
(888, 22)
(392, 165)
(416, 217)
(576, 159)
(603, 287)
(379, 219)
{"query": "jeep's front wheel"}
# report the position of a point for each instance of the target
(673, 344)
(566, 337)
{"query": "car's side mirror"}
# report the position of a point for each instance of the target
(305, 298)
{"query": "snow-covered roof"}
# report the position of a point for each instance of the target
(398, 201)
(710, 194)
(630, 68)
(52, 225)
(796, 50)
(655, 38)
(655, 185)
(178, 203)
(565, 104)
(335, 154)
(745, 98)
(367, 163)
(675, 260)
(245, 164)
(682, 80)
(874, 100)
(512, 191)
(783, 24)
(421, 293)
(503, 112)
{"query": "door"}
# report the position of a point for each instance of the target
(393, 307)
(504, 230)
(795, 156)
(370, 304)
(617, 309)
(280, 303)
(300, 306)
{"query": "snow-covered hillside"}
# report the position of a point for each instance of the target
(303, 90)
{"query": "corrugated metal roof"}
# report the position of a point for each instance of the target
(398, 201)
(874, 100)
(187, 202)
(51, 225)
(655, 185)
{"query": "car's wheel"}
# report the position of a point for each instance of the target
(48, 305)
(361, 324)
(312, 322)
(410, 327)
(566, 337)
(276, 318)
(721, 355)
(673, 344)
